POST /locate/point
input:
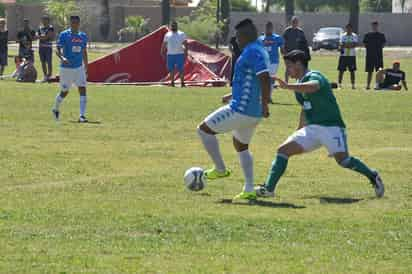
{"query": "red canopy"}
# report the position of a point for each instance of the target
(141, 64)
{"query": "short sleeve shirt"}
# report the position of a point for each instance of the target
(320, 107)
(44, 31)
(175, 42)
(393, 77)
(272, 44)
(72, 45)
(346, 39)
(246, 86)
(374, 43)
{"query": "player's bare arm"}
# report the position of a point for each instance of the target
(163, 49)
(405, 85)
(302, 121)
(265, 83)
(85, 59)
(186, 48)
(307, 87)
(61, 57)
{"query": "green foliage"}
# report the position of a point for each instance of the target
(242, 5)
(60, 11)
(135, 26)
(202, 25)
(376, 5)
(2, 10)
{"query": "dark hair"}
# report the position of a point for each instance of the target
(349, 25)
(269, 24)
(375, 23)
(247, 28)
(296, 55)
(74, 17)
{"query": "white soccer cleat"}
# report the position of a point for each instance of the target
(262, 191)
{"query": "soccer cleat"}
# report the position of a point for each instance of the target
(213, 174)
(377, 183)
(83, 119)
(250, 196)
(262, 191)
(56, 114)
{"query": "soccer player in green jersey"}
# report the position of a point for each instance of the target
(321, 124)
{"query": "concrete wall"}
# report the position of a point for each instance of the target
(16, 13)
(395, 26)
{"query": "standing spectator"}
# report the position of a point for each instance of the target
(45, 33)
(236, 51)
(175, 46)
(272, 42)
(4, 39)
(295, 38)
(374, 42)
(347, 59)
(25, 38)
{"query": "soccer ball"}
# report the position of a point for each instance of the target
(195, 179)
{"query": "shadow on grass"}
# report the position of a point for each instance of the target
(335, 200)
(260, 203)
(90, 122)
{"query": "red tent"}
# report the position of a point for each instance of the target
(141, 64)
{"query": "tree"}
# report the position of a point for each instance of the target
(242, 5)
(289, 10)
(60, 10)
(165, 12)
(2, 10)
(354, 15)
(376, 5)
(104, 24)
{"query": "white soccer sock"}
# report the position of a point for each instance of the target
(246, 162)
(212, 147)
(58, 102)
(83, 104)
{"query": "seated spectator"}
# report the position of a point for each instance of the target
(25, 70)
(389, 79)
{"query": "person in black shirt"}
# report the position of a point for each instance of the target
(295, 38)
(390, 78)
(374, 42)
(235, 50)
(45, 33)
(25, 37)
(4, 39)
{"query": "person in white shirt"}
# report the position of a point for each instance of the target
(347, 60)
(175, 46)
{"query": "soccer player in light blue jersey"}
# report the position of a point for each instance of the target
(247, 104)
(72, 52)
(272, 43)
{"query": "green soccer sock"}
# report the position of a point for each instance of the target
(278, 168)
(358, 166)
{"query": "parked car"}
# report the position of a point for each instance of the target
(327, 38)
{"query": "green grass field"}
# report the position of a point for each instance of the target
(108, 197)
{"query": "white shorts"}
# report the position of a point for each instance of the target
(314, 136)
(273, 69)
(225, 119)
(70, 76)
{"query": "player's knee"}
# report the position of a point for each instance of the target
(344, 162)
(239, 146)
(204, 129)
(63, 94)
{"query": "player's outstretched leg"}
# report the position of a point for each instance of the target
(278, 168)
(357, 165)
(56, 108)
(246, 162)
(83, 105)
(211, 145)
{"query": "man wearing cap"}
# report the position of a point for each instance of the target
(25, 38)
(45, 33)
(374, 42)
(389, 79)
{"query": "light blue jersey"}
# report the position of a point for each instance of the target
(73, 45)
(272, 44)
(246, 89)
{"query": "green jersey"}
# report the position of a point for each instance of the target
(320, 107)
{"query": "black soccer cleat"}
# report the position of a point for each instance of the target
(56, 114)
(377, 183)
